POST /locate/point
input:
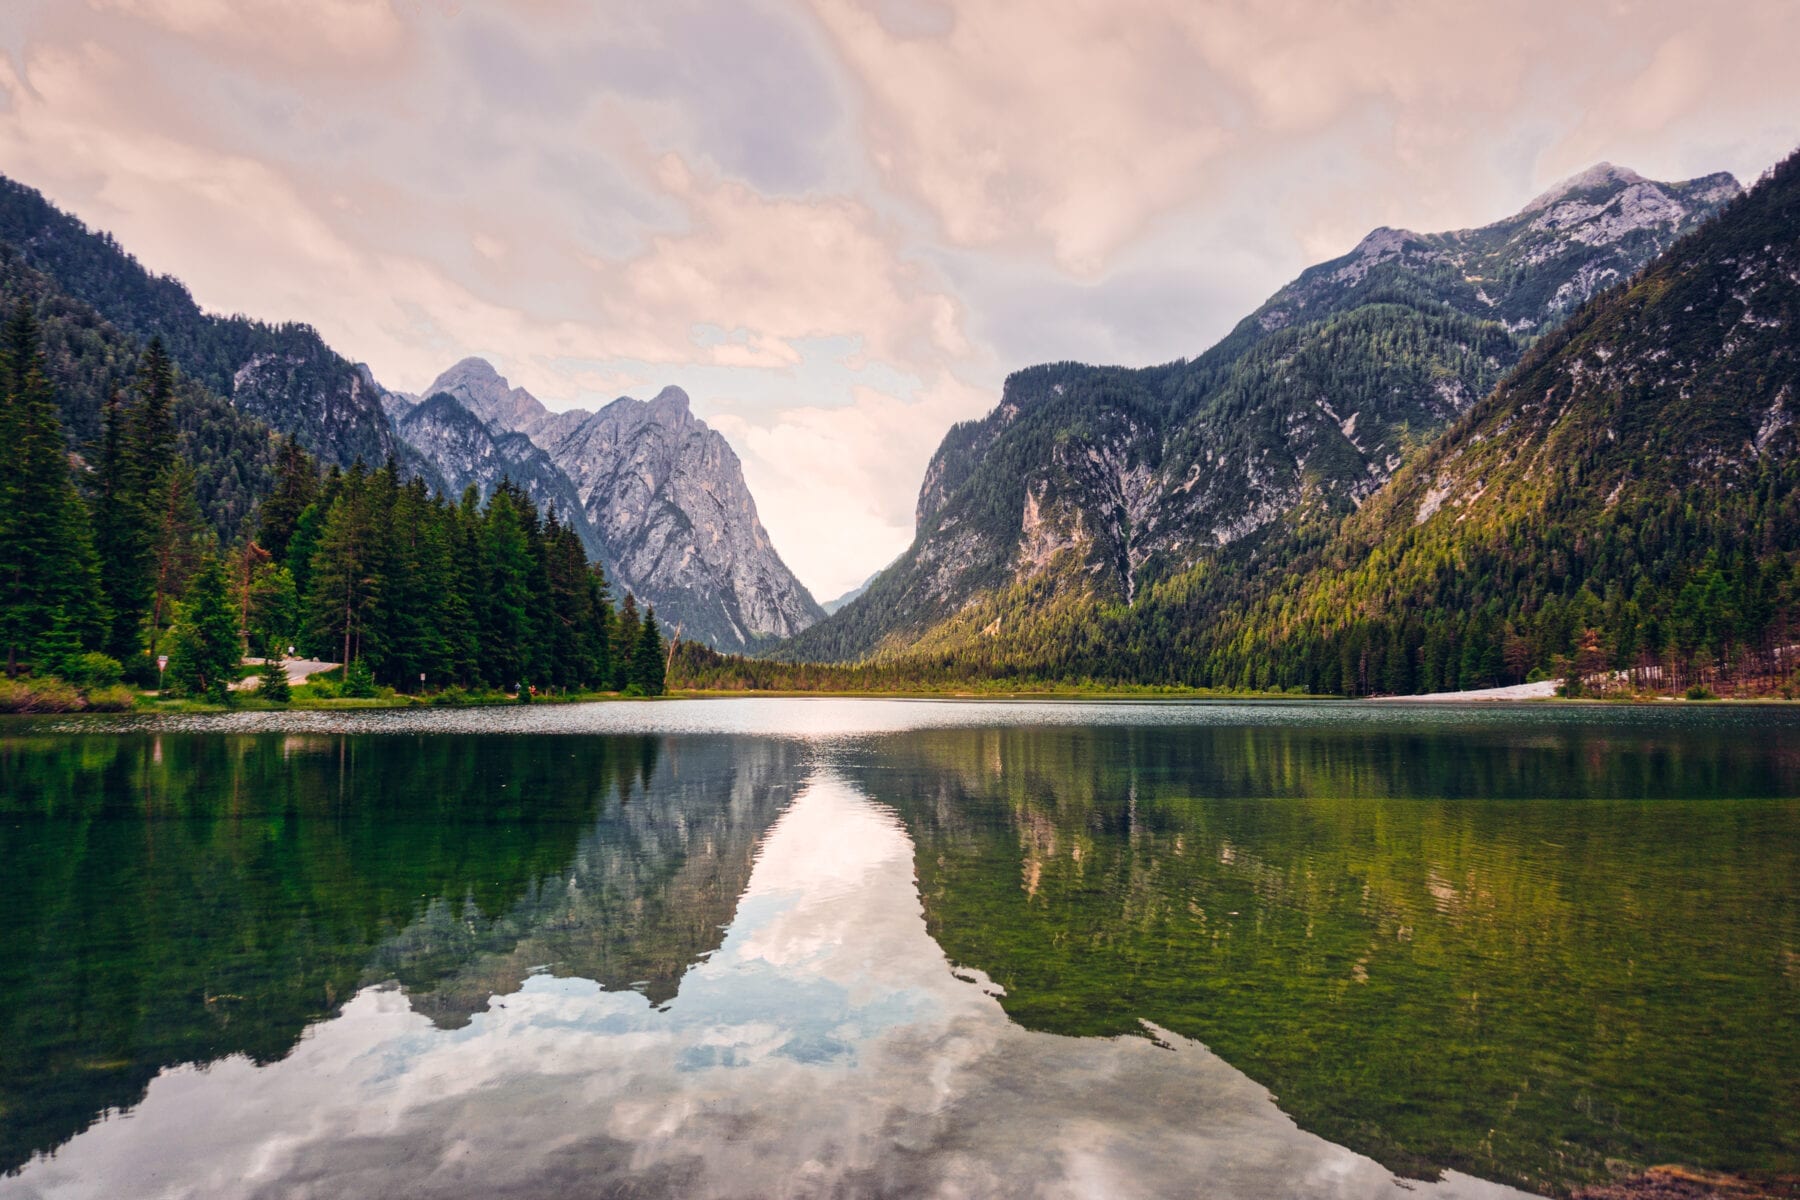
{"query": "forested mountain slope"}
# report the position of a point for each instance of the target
(691, 544)
(1628, 498)
(283, 374)
(90, 361)
(1088, 486)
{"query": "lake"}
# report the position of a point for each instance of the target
(869, 947)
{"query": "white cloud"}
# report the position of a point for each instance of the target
(610, 197)
(835, 486)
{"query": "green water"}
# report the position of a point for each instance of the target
(1526, 946)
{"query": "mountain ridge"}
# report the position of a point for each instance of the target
(1094, 482)
(658, 492)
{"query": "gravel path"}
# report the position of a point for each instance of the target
(1542, 690)
(298, 671)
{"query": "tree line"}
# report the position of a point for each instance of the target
(107, 565)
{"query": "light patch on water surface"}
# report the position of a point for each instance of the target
(828, 718)
(826, 1048)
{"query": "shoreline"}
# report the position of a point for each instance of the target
(1519, 694)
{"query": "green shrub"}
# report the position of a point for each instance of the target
(317, 687)
(1700, 692)
(92, 670)
(359, 681)
(39, 696)
(451, 696)
(116, 698)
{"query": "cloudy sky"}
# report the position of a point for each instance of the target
(837, 223)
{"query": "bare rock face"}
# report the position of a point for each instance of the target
(475, 384)
(667, 495)
(658, 496)
(453, 449)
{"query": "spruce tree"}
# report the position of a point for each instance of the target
(179, 539)
(49, 585)
(274, 686)
(506, 626)
(345, 587)
(121, 534)
(648, 663)
(628, 630)
(598, 633)
(296, 487)
(150, 438)
(203, 649)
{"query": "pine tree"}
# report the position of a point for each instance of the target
(150, 439)
(120, 516)
(274, 619)
(598, 633)
(628, 630)
(179, 539)
(648, 660)
(345, 585)
(203, 649)
(296, 487)
(48, 577)
(273, 685)
(506, 626)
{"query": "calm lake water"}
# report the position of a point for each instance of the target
(832, 947)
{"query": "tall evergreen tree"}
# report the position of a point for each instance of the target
(296, 487)
(628, 631)
(345, 586)
(49, 584)
(121, 533)
(150, 438)
(648, 660)
(506, 626)
(179, 539)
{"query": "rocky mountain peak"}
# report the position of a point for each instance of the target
(1600, 175)
(661, 495)
(671, 406)
(485, 392)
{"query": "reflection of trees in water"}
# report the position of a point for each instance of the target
(181, 898)
(650, 888)
(1516, 987)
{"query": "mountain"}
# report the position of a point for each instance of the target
(1088, 485)
(662, 496)
(1629, 496)
(453, 448)
(831, 606)
(284, 375)
(90, 360)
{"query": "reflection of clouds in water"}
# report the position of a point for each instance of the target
(825, 1048)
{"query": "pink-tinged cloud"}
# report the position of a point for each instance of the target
(837, 223)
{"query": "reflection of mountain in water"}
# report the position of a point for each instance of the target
(176, 899)
(650, 889)
(1506, 985)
